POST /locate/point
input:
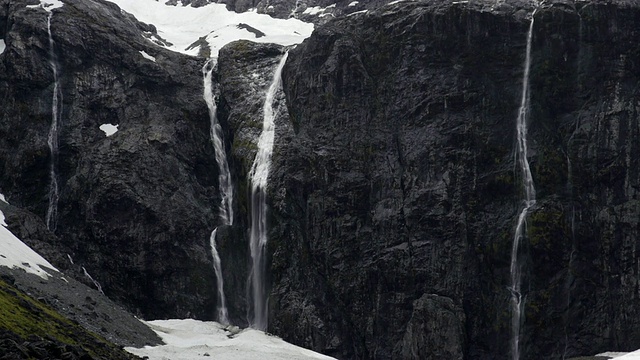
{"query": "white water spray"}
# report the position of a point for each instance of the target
(517, 298)
(225, 185)
(258, 178)
(52, 139)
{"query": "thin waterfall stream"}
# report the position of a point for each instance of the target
(225, 186)
(258, 234)
(222, 314)
(517, 297)
(52, 138)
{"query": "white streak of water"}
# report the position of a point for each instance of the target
(517, 297)
(52, 138)
(225, 185)
(97, 285)
(222, 313)
(216, 135)
(258, 177)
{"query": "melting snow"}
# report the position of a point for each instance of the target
(2, 46)
(15, 254)
(197, 340)
(2, 198)
(146, 56)
(109, 129)
(47, 5)
(353, 3)
(183, 26)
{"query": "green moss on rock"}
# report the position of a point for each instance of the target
(33, 327)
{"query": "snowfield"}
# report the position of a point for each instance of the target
(16, 254)
(628, 356)
(184, 26)
(198, 340)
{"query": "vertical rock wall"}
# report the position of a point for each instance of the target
(399, 186)
(136, 208)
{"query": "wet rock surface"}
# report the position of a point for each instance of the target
(245, 71)
(136, 208)
(399, 181)
(393, 195)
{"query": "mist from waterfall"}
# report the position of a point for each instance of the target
(258, 309)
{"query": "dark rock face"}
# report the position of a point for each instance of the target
(136, 208)
(434, 330)
(245, 72)
(396, 197)
(393, 193)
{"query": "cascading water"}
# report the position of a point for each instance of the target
(517, 298)
(225, 185)
(97, 284)
(222, 313)
(52, 139)
(258, 178)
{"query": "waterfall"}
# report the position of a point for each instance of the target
(97, 284)
(225, 185)
(517, 298)
(52, 139)
(222, 313)
(258, 178)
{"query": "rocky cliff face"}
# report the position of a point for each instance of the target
(394, 189)
(136, 208)
(395, 201)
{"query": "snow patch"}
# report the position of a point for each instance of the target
(622, 356)
(15, 254)
(47, 5)
(109, 129)
(314, 10)
(3, 199)
(353, 3)
(2, 46)
(147, 56)
(359, 12)
(185, 27)
(197, 340)
(396, 2)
